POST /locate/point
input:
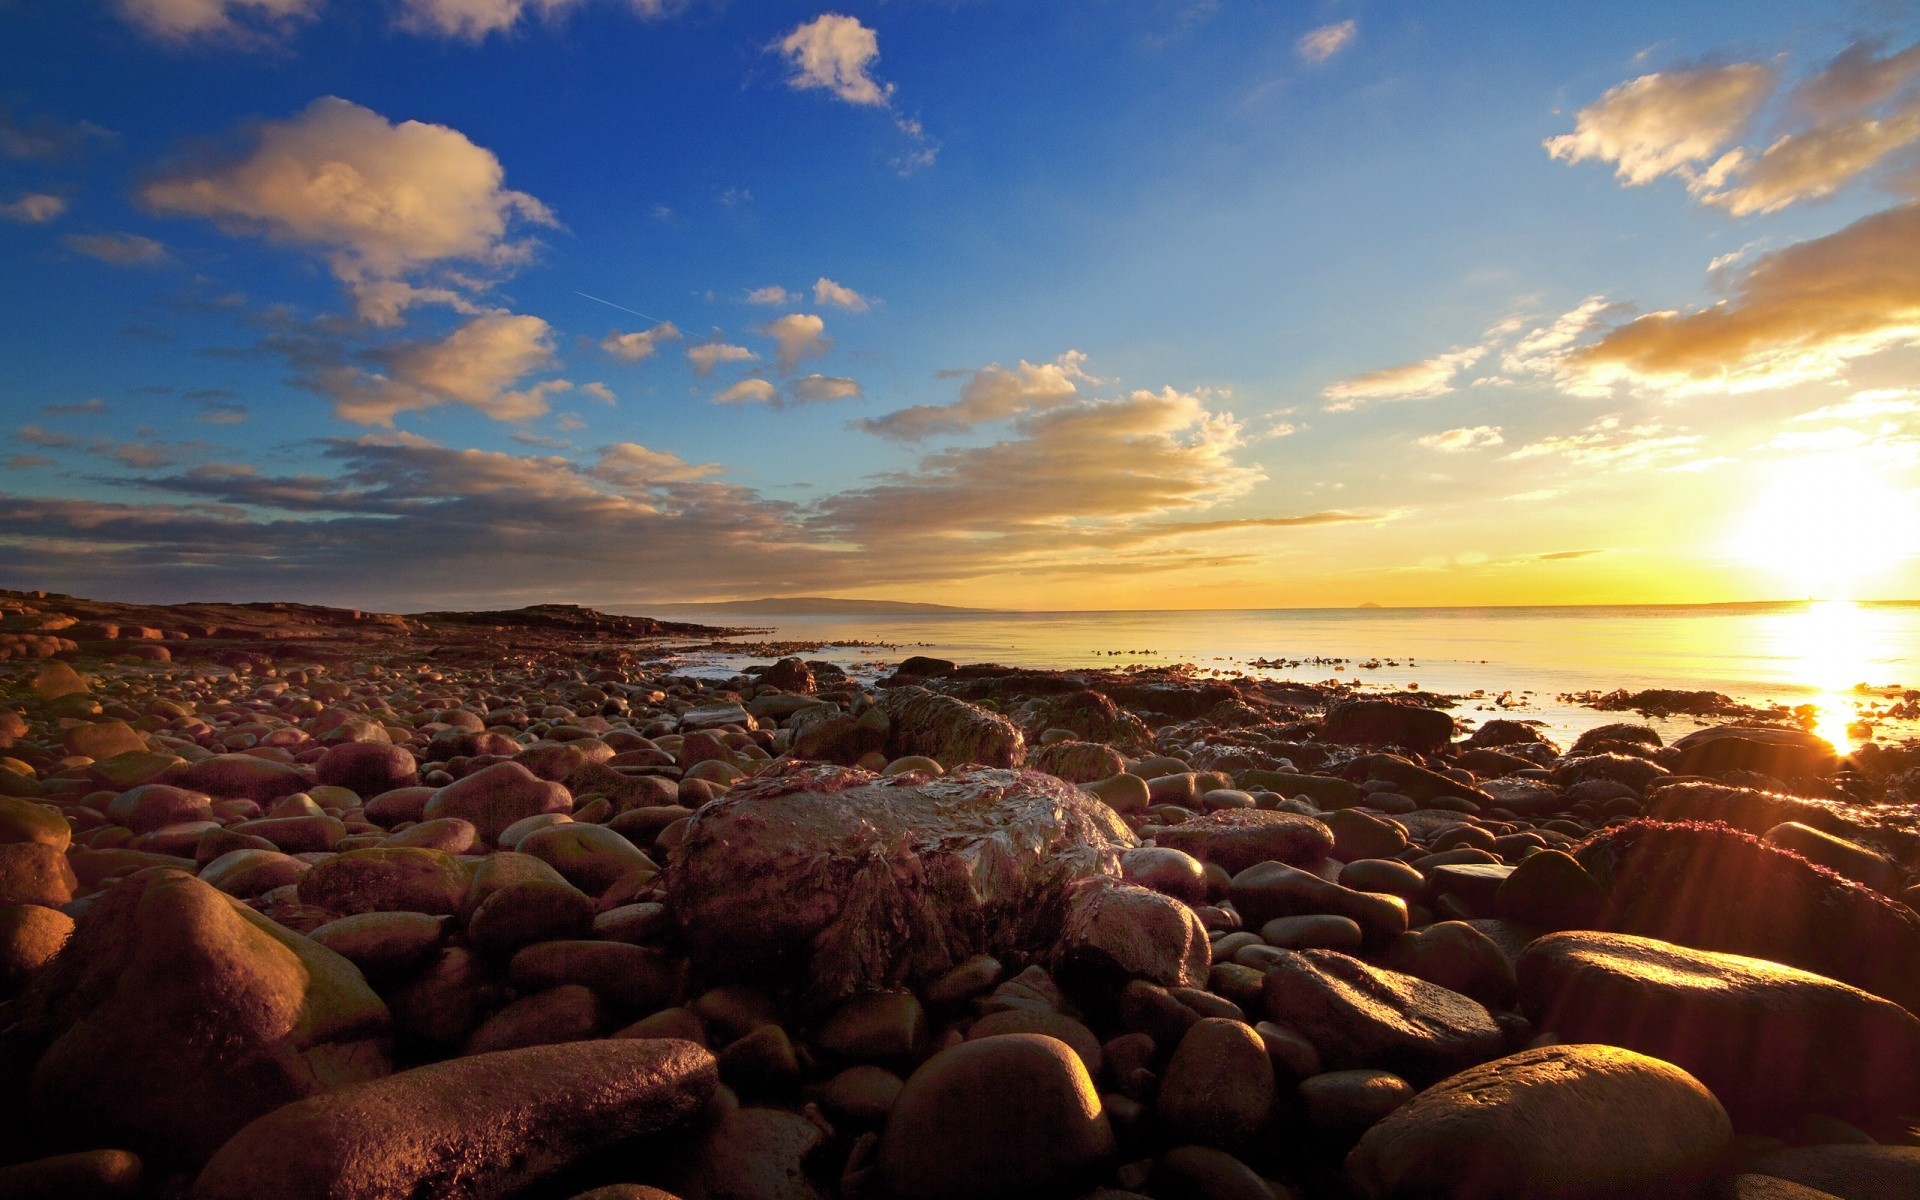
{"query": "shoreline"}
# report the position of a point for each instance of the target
(526, 903)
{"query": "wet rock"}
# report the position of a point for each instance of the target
(631, 979)
(177, 1015)
(30, 935)
(382, 943)
(248, 873)
(1116, 931)
(1092, 717)
(1743, 896)
(35, 873)
(23, 820)
(1840, 856)
(1219, 1086)
(1167, 871)
(1238, 838)
(483, 1125)
(150, 806)
(757, 1154)
(1848, 1172)
(496, 796)
(1271, 889)
(1781, 753)
(1771, 1041)
(851, 882)
(367, 768)
(948, 730)
(1362, 1016)
(1458, 956)
(568, 1013)
(1556, 1122)
(1388, 723)
(89, 1175)
(103, 739)
(386, 879)
(1552, 890)
(1342, 1105)
(1078, 762)
(591, 857)
(1014, 1115)
(243, 775)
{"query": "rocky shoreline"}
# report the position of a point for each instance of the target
(297, 902)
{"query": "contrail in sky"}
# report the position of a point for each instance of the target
(623, 308)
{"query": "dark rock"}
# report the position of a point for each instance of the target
(1771, 1041)
(950, 731)
(1237, 838)
(1388, 723)
(1362, 1016)
(850, 881)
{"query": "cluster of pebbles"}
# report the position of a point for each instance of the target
(502, 924)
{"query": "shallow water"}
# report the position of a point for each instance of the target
(1791, 654)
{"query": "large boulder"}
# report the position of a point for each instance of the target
(176, 1015)
(1554, 1123)
(1771, 1041)
(948, 730)
(852, 882)
(1363, 1016)
(1781, 753)
(1117, 931)
(1715, 888)
(1012, 1115)
(1388, 723)
(487, 1125)
(496, 796)
(1756, 811)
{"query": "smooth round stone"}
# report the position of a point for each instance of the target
(1555, 1121)
(879, 1025)
(1386, 876)
(382, 942)
(30, 935)
(1052, 1024)
(381, 879)
(529, 911)
(1358, 835)
(630, 978)
(568, 1013)
(863, 1094)
(23, 821)
(89, 1175)
(514, 834)
(1219, 1085)
(449, 834)
(1167, 871)
(1124, 793)
(762, 1062)
(250, 873)
(632, 922)
(1457, 956)
(1345, 1104)
(1321, 931)
(591, 857)
(153, 805)
(1205, 1173)
(1001, 1116)
(1293, 1056)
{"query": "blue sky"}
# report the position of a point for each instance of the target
(1065, 306)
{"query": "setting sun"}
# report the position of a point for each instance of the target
(1826, 527)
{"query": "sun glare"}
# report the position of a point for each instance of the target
(1827, 527)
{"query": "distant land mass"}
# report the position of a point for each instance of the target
(825, 606)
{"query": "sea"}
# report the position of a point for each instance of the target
(1847, 667)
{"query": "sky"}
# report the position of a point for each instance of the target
(408, 304)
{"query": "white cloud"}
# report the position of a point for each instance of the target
(473, 20)
(815, 389)
(244, 20)
(826, 291)
(771, 294)
(35, 208)
(383, 202)
(635, 467)
(478, 365)
(834, 52)
(1610, 442)
(1411, 381)
(1797, 315)
(1808, 165)
(633, 347)
(797, 337)
(749, 391)
(1455, 440)
(1668, 122)
(707, 355)
(992, 393)
(120, 249)
(1323, 43)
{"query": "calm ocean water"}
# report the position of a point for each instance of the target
(1815, 653)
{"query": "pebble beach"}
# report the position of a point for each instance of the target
(312, 903)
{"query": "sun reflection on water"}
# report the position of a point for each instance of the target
(1832, 643)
